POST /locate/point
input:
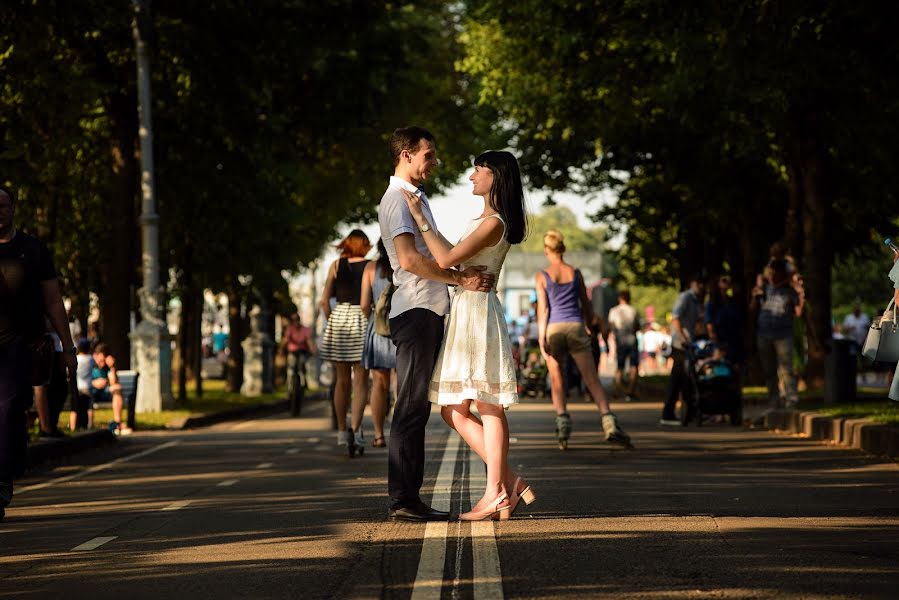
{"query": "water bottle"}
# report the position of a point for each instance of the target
(889, 242)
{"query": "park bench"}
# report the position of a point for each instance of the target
(128, 381)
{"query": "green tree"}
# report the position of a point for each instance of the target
(562, 219)
(709, 121)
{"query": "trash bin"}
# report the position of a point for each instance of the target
(839, 375)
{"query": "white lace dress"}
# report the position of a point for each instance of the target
(475, 361)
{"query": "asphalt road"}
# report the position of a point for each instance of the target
(271, 508)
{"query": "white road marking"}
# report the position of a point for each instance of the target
(264, 466)
(487, 579)
(94, 543)
(429, 580)
(241, 425)
(292, 451)
(177, 505)
(227, 482)
(97, 468)
(513, 440)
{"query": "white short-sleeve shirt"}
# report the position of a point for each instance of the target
(395, 219)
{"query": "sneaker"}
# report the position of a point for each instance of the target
(359, 438)
(670, 422)
(630, 398)
(341, 438)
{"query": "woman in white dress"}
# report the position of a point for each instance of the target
(475, 362)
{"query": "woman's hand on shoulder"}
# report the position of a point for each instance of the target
(414, 204)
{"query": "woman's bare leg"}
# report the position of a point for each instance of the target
(496, 440)
(342, 377)
(584, 362)
(471, 430)
(360, 394)
(379, 388)
(557, 385)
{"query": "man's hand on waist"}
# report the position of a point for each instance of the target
(476, 279)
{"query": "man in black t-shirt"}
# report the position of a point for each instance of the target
(29, 291)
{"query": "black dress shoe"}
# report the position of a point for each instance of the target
(419, 512)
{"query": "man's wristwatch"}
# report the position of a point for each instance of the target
(425, 228)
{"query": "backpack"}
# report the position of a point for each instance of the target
(382, 310)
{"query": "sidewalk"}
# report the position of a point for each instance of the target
(47, 449)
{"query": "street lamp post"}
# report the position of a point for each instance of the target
(151, 338)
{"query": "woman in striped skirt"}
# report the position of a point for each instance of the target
(344, 336)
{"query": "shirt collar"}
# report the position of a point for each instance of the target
(405, 185)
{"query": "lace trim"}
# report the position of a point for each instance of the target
(456, 392)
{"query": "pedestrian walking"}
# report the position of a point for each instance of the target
(475, 364)
(685, 314)
(344, 337)
(563, 311)
(417, 314)
(29, 293)
(624, 324)
(776, 302)
(379, 354)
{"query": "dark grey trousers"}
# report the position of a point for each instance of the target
(15, 396)
(417, 335)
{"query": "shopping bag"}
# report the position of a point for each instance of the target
(882, 341)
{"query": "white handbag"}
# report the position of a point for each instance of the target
(882, 341)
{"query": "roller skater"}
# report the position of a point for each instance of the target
(563, 430)
(563, 312)
(614, 433)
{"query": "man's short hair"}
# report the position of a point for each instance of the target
(101, 348)
(697, 277)
(407, 138)
(8, 192)
(625, 295)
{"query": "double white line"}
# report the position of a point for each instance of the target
(487, 577)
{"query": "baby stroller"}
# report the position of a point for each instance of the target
(533, 375)
(716, 390)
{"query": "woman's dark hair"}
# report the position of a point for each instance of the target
(384, 261)
(506, 193)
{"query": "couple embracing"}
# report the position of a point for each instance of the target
(468, 360)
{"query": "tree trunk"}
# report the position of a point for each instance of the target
(818, 258)
(183, 329)
(197, 341)
(118, 273)
(810, 178)
(235, 337)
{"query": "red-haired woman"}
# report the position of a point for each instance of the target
(344, 336)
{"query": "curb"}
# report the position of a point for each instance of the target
(861, 434)
(53, 449)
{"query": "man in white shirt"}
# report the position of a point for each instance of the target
(416, 318)
(856, 324)
(624, 323)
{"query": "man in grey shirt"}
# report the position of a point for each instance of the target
(685, 314)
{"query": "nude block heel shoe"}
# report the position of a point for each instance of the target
(495, 511)
(527, 494)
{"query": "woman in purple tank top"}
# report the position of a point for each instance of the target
(563, 310)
